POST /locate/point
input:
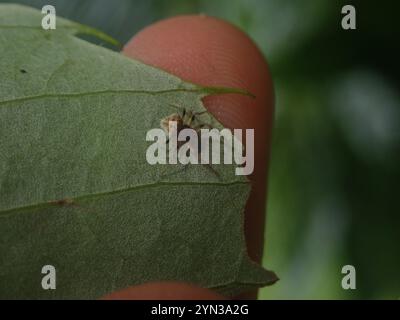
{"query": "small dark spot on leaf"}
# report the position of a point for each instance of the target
(23, 71)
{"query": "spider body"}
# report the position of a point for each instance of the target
(186, 120)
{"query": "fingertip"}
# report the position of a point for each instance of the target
(211, 52)
(164, 291)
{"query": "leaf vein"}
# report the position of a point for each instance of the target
(51, 203)
(102, 92)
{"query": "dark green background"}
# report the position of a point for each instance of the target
(333, 188)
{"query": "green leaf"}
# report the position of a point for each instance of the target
(76, 191)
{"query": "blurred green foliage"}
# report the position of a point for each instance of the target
(334, 173)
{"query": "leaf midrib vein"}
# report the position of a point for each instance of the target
(101, 92)
(53, 203)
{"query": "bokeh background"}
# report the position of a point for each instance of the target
(334, 188)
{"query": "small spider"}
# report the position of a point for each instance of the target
(186, 120)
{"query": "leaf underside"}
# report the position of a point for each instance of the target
(73, 122)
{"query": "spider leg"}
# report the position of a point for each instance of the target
(203, 125)
(200, 113)
(209, 167)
